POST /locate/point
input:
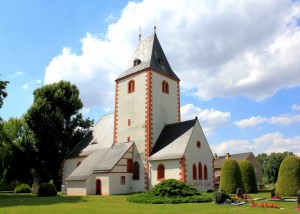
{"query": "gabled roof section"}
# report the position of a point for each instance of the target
(173, 140)
(100, 136)
(238, 157)
(101, 161)
(149, 54)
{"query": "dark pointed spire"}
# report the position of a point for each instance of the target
(149, 54)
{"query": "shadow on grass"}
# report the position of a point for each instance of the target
(27, 199)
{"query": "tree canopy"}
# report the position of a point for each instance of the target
(3, 92)
(271, 163)
(17, 151)
(57, 125)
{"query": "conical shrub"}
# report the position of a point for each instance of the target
(248, 177)
(288, 182)
(231, 177)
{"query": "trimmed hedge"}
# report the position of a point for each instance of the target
(47, 189)
(22, 188)
(288, 182)
(231, 177)
(171, 191)
(248, 177)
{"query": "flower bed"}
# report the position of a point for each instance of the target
(264, 205)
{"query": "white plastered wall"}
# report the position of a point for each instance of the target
(172, 168)
(70, 165)
(164, 106)
(132, 106)
(194, 154)
(76, 188)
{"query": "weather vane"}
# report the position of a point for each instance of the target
(140, 33)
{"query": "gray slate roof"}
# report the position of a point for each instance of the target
(102, 160)
(173, 140)
(99, 137)
(149, 51)
(238, 157)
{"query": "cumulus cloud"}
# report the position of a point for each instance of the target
(279, 120)
(268, 143)
(217, 48)
(210, 119)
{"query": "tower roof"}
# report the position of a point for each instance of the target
(149, 54)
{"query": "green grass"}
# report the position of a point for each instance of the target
(27, 203)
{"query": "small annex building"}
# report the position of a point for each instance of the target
(144, 141)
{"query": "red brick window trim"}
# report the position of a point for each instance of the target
(200, 171)
(131, 86)
(205, 172)
(128, 139)
(160, 172)
(129, 122)
(194, 172)
(165, 87)
(122, 180)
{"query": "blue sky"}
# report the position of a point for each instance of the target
(238, 61)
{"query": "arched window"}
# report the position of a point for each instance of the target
(200, 171)
(198, 144)
(194, 172)
(165, 87)
(205, 172)
(131, 86)
(160, 172)
(136, 171)
(78, 163)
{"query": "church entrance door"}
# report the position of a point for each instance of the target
(98, 186)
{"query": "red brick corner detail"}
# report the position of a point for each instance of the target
(182, 170)
(116, 113)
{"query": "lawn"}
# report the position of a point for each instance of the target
(27, 203)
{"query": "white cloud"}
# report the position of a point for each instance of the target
(33, 83)
(218, 49)
(210, 119)
(283, 120)
(251, 122)
(268, 143)
(296, 107)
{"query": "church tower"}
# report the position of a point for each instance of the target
(147, 98)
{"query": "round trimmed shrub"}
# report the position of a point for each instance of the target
(173, 187)
(22, 188)
(47, 189)
(248, 177)
(288, 182)
(220, 197)
(231, 177)
(171, 191)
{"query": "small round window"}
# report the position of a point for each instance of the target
(198, 144)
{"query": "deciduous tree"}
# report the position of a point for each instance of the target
(57, 125)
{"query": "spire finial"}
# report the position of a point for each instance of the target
(140, 35)
(154, 26)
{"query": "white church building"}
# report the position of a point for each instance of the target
(144, 141)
